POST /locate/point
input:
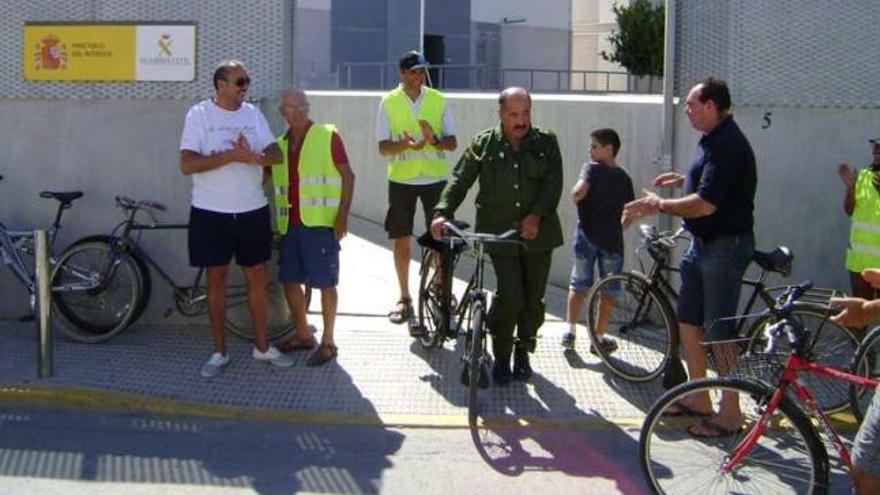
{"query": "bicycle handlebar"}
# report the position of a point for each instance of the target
(127, 203)
(481, 237)
(662, 240)
(783, 308)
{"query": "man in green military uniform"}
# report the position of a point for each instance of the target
(520, 172)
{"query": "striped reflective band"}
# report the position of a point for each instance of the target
(866, 226)
(408, 156)
(321, 180)
(865, 248)
(319, 202)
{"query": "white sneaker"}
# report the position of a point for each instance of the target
(214, 364)
(273, 356)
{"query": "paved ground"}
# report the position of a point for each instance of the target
(382, 378)
(380, 372)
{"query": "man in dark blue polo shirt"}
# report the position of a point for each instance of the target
(717, 208)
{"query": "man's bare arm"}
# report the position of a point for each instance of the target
(194, 163)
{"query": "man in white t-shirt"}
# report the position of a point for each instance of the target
(225, 145)
(414, 129)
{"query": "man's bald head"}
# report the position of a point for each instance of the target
(515, 113)
(514, 93)
(294, 107)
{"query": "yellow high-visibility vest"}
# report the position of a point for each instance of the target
(864, 234)
(430, 160)
(320, 184)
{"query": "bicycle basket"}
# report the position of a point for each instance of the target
(731, 359)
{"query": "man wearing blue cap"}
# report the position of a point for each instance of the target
(414, 128)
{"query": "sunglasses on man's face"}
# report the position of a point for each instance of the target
(242, 81)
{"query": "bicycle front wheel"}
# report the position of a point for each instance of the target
(866, 364)
(787, 457)
(95, 290)
(433, 314)
(637, 319)
(834, 345)
(238, 314)
(475, 361)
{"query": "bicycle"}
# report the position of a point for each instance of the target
(468, 313)
(642, 321)
(68, 279)
(778, 446)
(105, 252)
(866, 363)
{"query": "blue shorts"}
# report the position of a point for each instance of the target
(866, 447)
(711, 274)
(309, 255)
(586, 256)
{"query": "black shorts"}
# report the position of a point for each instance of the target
(214, 238)
(402, 206)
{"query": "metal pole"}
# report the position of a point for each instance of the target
(43, 304)
(422, 27)
(667, 150)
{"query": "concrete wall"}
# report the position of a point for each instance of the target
(109, 147)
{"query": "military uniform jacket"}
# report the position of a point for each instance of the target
(513, 184)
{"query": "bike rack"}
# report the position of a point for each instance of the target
(44, 304)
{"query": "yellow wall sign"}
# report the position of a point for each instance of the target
(109, 52)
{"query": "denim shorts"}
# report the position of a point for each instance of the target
(866, 447)
(711, 274)
(586, 255)
(309, 255)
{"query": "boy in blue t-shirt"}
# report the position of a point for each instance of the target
(599, 194)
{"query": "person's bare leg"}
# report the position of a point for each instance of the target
(573, 308)
(401, 246)
(695, 358)
(296, 301)
(216, 294)
(258, 301)
(606, 306)
(328, 311)
(865, 484)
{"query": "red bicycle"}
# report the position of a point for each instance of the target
(770, 443)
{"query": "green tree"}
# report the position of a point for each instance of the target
(638, 42)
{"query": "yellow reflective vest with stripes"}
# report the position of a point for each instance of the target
(429, 161)
(320, 184)
(864, 235)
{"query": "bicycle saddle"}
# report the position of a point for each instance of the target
(64, 197)
(779, 260)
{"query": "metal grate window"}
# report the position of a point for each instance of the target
(798, 53)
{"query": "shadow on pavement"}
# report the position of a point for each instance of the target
(602, 450)
(639, 394)
(268, 457)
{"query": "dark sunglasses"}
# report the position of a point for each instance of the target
(242, 81)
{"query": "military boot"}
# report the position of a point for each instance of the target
(501, 369)
(522, 370)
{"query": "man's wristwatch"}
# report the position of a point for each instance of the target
(660, 206)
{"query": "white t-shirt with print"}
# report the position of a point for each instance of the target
(235, 187)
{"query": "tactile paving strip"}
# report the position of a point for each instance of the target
(380, 370)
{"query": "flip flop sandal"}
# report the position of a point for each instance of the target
(712, 430)
(683, 410)
(324, 354)
(296, 344)
(402, 312)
